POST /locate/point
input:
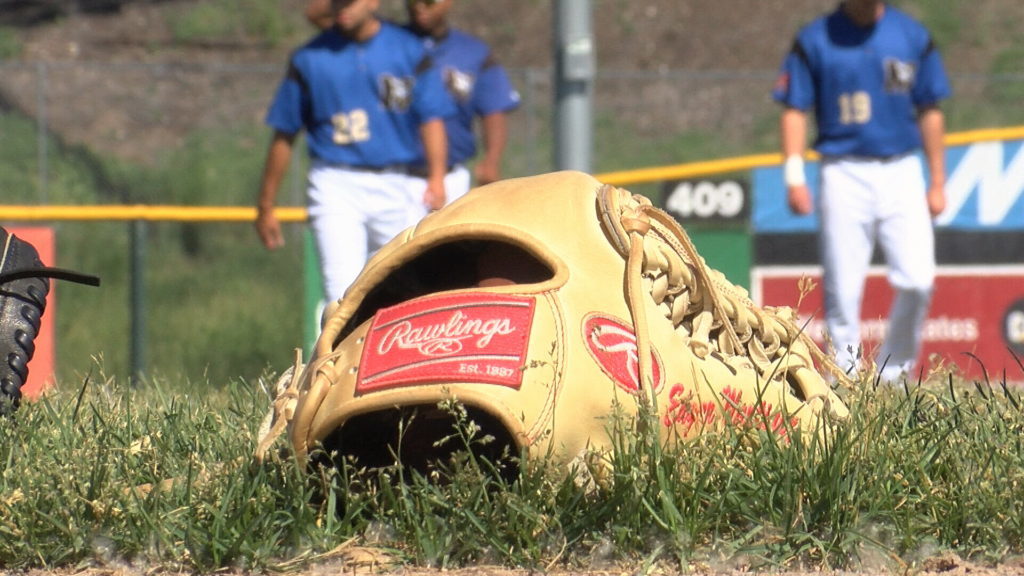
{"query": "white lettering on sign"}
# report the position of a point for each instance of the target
(1015, 327)
(940, 329)
(706, 199)
(982, 168)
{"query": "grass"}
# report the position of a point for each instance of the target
(223, 309)
(219, 21)
(10, 45)
(71, 175)
(160, 477)
(218, 306)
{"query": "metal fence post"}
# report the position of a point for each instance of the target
(138, 300)
(42, 130)
(533, 164)
(575, 70)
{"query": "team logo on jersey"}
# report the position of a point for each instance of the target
(459, 84)
(396, 93)
(899, 75)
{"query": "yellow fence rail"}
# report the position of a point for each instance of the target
(736, 164)
(146, 212)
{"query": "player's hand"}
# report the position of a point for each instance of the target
(269, 229)
(800, 200)
(486, 172)
(434, 196)
(936, 200)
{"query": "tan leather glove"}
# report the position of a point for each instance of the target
(543, 305)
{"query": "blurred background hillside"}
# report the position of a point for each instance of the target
(161, 101)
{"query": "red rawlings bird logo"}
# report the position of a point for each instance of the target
(613, 346)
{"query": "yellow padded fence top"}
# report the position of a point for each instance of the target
(146, 212)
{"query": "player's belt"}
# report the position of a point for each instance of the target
(386, 169)
(421, 171)
(866, 158)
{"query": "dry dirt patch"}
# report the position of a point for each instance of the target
(350, 559)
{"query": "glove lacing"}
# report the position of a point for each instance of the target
(282, 411)
(713, 315)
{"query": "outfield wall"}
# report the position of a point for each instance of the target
(977, 318)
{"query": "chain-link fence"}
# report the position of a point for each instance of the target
(143, 112)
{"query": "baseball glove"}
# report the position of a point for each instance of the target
(543, 305)
(23, 290)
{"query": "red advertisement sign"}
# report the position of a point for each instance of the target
(976, 322)
(40, 368)
(471, 337)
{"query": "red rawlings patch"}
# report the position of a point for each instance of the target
(613, 345)
(474, 337)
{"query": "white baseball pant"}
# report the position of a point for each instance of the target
(456, 183)
(864, 201)
(353, 212)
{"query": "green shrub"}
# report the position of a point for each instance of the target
(10, 43)
(233, 20)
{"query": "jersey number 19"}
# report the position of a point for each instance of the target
(854, 108)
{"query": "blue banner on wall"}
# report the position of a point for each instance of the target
(985, 187)
(984, 191)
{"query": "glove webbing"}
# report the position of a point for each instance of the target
(714, 314)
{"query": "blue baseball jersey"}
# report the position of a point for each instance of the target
(864, 83)
(477, 83)
(361, 103)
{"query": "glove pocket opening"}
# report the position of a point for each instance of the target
(462, 264)
(425, 438)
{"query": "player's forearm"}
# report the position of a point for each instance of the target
(793, 136)
(793, 132)
(933, 131)
(435, 147)
(279, 156)
(495, 135)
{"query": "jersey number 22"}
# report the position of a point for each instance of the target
(351, 127)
